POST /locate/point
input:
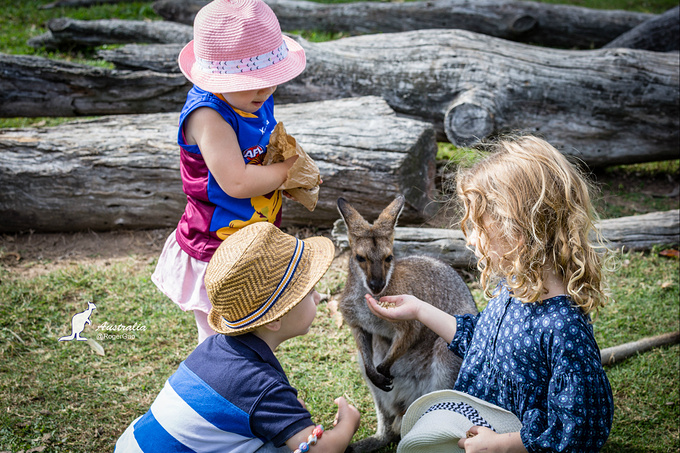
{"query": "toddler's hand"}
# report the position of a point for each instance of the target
(290, 162)
(395, 308)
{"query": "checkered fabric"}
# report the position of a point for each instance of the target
(463, 409)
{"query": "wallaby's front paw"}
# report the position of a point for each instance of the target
(384, 370)
(383, 382)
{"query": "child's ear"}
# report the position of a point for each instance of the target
(274, 326)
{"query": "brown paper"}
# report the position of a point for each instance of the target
(303, 178)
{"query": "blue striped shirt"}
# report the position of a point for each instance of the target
(230, 394)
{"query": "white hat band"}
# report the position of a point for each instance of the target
(245, 64)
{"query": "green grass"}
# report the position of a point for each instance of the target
(639, 188)
(22, 20)
(63, 396)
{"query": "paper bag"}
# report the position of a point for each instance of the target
(303, 178)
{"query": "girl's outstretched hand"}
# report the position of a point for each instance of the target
(484, 439)
(395, 308)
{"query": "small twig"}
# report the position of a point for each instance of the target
(615, 354)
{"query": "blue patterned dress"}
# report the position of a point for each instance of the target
(541, 362)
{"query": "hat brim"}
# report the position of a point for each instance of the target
(276, 74)
(503, 421)
(317, 258)
(436, 432)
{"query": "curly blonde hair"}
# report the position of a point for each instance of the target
(527, 195)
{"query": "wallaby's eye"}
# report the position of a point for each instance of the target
(388, 259)
(360, 258)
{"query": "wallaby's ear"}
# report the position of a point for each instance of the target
(350, 215)
(391, 213)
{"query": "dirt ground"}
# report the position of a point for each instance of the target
(30, 254)
(33, 254)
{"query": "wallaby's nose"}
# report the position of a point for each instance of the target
(376, 285)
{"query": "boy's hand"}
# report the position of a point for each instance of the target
(395, 308)
(347, 414)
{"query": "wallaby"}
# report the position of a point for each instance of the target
(78, 323)
(402, 360)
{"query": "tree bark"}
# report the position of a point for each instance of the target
(532, 22)
(637, 233)
(659, 34)
(65, 32)
(123, 171)
(605, 107)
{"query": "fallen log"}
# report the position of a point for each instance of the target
(65, 32)
(80, 3)
(603, 106)
(123, 171)
(544, 24)
(660, 34)
(606, 107)
(642, 232)
(142, 57)
(34, 86)
(638, 233)
(615, 354)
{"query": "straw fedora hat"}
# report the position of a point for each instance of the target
(436, 421)
(238, 46)
(259, 273)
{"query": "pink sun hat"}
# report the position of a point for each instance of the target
(238, 46)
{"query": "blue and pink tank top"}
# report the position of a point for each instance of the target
(211, 214)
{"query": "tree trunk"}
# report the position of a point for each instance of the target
(641, 232)
(123, 171)
(605, 107)
(532, 22)
(659, 34)
(65, 32)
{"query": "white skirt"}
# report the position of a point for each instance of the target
(180, 277)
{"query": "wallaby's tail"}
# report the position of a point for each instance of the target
(68, 338)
